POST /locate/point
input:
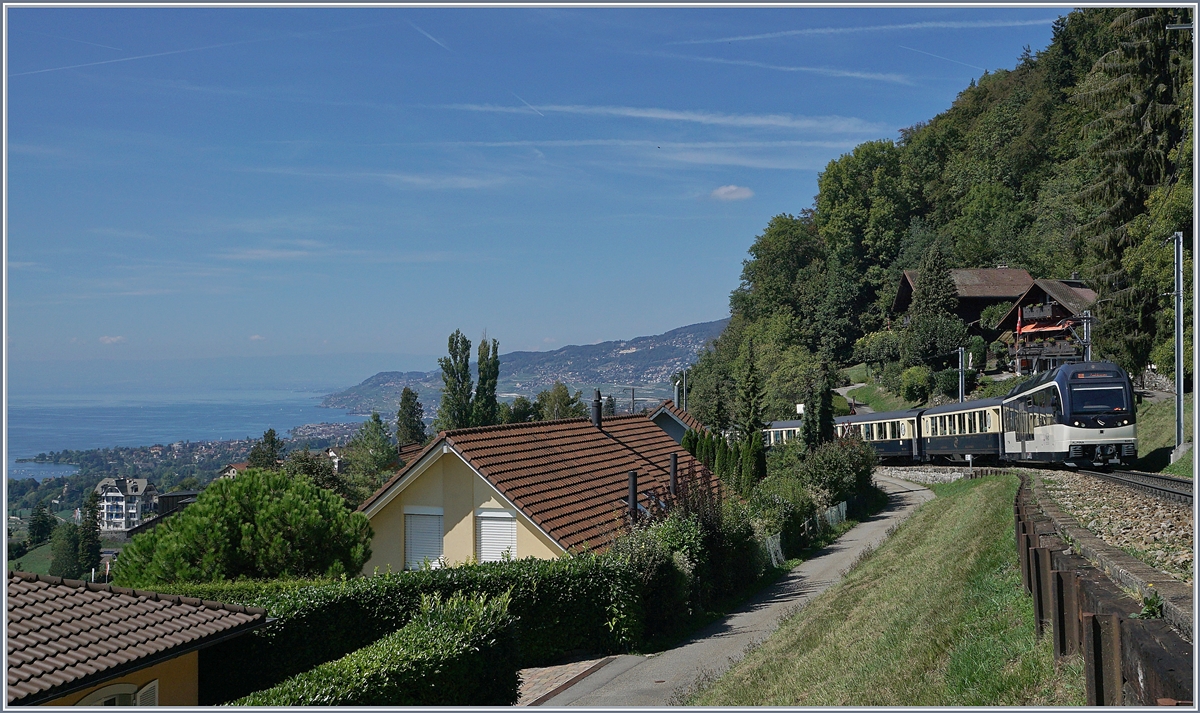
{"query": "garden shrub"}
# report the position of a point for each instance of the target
(665, 575)
(782, 504)
(915, 383)
(838, 470)
(582, 602)
(461, 652)
(889, 378)
(947, 382)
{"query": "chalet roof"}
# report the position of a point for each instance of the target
(65, 635)
(685, 419)
(127, 486)
(1071, 294)
(410, 452)
(999, 283)
(567, 476)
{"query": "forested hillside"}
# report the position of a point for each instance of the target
(1079, 159)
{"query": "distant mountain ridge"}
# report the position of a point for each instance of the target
(646, 363)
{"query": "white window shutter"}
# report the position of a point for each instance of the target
(494, 536)
(422, 540)
(148, 695)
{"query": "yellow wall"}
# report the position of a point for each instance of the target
(178, 682)
(450, 484)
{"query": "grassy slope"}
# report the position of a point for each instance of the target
(857, 374)
(36, 560)
(1156, 433)
(936, 617)
(879, 398)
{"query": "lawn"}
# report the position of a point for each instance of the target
(1156, 434)
(879, 398)
(857, 374)
(935, 617)
(36, 560)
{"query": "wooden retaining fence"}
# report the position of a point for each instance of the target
(1127, 660)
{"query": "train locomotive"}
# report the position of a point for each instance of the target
(1081, 415)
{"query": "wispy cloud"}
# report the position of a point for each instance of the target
(257, 338)
(930, 25)
(395, 179)
(68, 39)
(827, 124)
(825, 71)
(140, 56)
(122, 233)
(938, 56)
(111, 340)
(732, 193)
(431, 37)
(644, 143)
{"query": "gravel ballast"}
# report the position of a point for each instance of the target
(1155, 531)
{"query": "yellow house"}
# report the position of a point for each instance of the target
(535, 489)
(73, 643)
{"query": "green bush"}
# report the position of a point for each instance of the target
(461, 652)
(586, 602)
(261, 525)
(838, 470)
(915, 383)
(1000, 352)
(889, 378)
(977, 353)
(782, 504)
(947, 382)
(17, 548)
(665, 575)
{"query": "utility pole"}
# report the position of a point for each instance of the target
(962, 374)
(1087, 335)
(1178, 339)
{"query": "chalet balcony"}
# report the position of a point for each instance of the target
(1035, 312)
(1059, 349)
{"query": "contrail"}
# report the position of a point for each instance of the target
(949, 24)
(910, 49)
(439, 42)
(130, 59)
(527, 104)
(68, 39)
(896, 78)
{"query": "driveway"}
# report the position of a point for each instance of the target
(858, 408)
(655, 679)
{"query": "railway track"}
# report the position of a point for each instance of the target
(1164, 486)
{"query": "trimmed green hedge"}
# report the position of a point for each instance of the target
(583, 602)
(462, 652)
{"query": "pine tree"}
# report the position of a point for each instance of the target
(64, 551)
(935, 291)
(750, 396)
(41, 525)
(265, 453)
(486, 410)
(410, 419)
(610, 407)
(456, 409)
(689, 441)
(89, 535)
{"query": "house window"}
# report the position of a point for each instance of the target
(422, 540)
(123, 694)
(495, 535)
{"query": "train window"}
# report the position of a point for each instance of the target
(1056, 402)
(958, 423)
(988, 418)
(971, 422)
(904, 429)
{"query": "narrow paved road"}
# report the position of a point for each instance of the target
(652, 680)
(859, 408)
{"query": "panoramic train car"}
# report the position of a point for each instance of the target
(955, 431)
(1078, 414)
(893, 434)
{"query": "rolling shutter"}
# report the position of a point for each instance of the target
(495, 534)
(422, 540)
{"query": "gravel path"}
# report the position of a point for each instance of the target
(1158, 532)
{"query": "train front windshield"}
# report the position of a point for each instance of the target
(1099, 399)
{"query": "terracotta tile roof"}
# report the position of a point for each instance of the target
(65, 635)
(411, 451)
(687, 419)
(568, 477)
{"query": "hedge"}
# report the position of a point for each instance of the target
(461, 652)
(585, 602)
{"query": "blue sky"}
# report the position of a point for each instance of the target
(195, 183)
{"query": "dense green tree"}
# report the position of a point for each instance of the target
(521, 410)
(456, 409)
(557, 402)
(754, 463)
(749, 396)
(933, 332)
(816, 427)
(318, 468)
(610, 407)
(410, 419)
(261, 525)
(486, 410)
(41, 524)
(266, 452)
(64, 551)
(89, 535)
(369, 455)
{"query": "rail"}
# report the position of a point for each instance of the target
(1164, 486)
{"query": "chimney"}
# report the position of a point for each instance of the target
(674, 472)
(633, 494)
(677, 401)
(683, 392)
(1075, 275)
(596, 409)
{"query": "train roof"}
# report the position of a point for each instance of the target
(1066, 371)
(964, 406)
(785, 424)
(882, 416)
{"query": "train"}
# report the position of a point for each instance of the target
(1079, 415)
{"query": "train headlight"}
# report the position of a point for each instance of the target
(1076, 423)
(1125, 422)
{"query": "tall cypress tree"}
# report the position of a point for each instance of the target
(64, 551)
(41, 525)
(456, 409)
(89, 536)
(410, 419)
(750, 396)
(486, 409)
(935, 292)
